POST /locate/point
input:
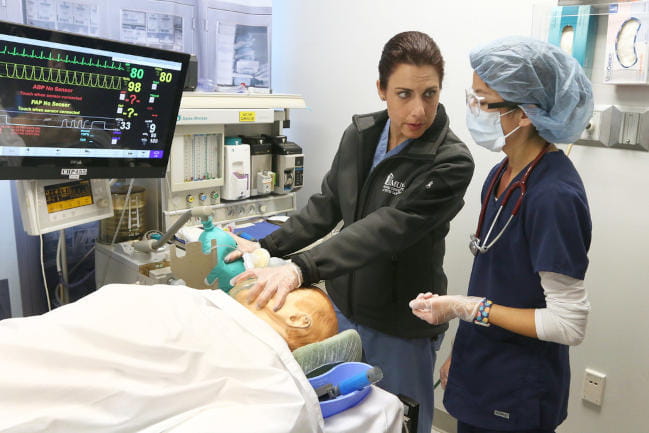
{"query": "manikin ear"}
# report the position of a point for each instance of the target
(380, 92)
(299, 320)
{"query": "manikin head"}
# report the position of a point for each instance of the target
(306, 317)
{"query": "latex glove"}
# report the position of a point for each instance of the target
(436, 309)
(272, 282)
(443, 372)
(243, 246)
(259, 258)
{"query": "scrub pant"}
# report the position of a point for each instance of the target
(407, 365)
(466, 428)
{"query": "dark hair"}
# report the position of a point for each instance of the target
(413, 48)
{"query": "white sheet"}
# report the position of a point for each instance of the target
(152, 359)
(380, 411)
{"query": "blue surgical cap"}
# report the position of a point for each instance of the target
(549, 84)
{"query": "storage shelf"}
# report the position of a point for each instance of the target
(192, 100)
(600, 7)
(583, 2)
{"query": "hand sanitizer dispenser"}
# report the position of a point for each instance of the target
(237, 169)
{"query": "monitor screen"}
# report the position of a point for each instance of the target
(77, 107)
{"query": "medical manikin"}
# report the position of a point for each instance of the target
(164, 358)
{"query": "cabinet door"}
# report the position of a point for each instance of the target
(11, 11)
(156, 23)
(237, 46)
(75, 16)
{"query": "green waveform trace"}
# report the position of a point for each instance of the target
(61, 76)
(98, 63)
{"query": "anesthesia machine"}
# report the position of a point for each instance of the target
(220, 147)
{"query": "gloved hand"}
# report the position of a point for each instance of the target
(436, 309)
(259, 258)
(272, 282)
(243, 246)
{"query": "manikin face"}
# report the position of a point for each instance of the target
(412, 96)
(306, 316)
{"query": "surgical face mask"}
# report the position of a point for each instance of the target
(486, 129)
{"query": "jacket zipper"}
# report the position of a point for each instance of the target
(360, 206)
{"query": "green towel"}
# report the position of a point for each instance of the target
(343, 347)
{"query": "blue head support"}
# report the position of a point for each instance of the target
(225, 244)
(549, 85)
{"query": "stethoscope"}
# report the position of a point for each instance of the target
(475, 244)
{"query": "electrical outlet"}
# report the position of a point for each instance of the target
(593, 386)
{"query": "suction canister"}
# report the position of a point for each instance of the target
(133, 211)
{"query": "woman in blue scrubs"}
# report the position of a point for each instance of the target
(509, 368)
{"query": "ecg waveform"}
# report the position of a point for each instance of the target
(61, 76)
(32, 55)
(58, 121)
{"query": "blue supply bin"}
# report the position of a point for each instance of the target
(336, 375)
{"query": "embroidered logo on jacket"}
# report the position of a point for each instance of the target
(392, 186)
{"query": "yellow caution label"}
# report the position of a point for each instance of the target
(247, 116)
(69, 204)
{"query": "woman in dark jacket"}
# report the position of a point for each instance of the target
(397, 180)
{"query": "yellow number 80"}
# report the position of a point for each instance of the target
(166, 77)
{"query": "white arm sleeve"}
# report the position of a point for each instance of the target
(564, 318)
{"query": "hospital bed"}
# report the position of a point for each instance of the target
(163, 359)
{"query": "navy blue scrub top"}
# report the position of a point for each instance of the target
(498, 379)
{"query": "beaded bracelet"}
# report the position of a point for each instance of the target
(482, 316)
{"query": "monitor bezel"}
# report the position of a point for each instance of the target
(98, 168)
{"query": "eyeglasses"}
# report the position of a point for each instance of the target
(474, 103)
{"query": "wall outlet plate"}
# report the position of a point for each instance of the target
(593, 390)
